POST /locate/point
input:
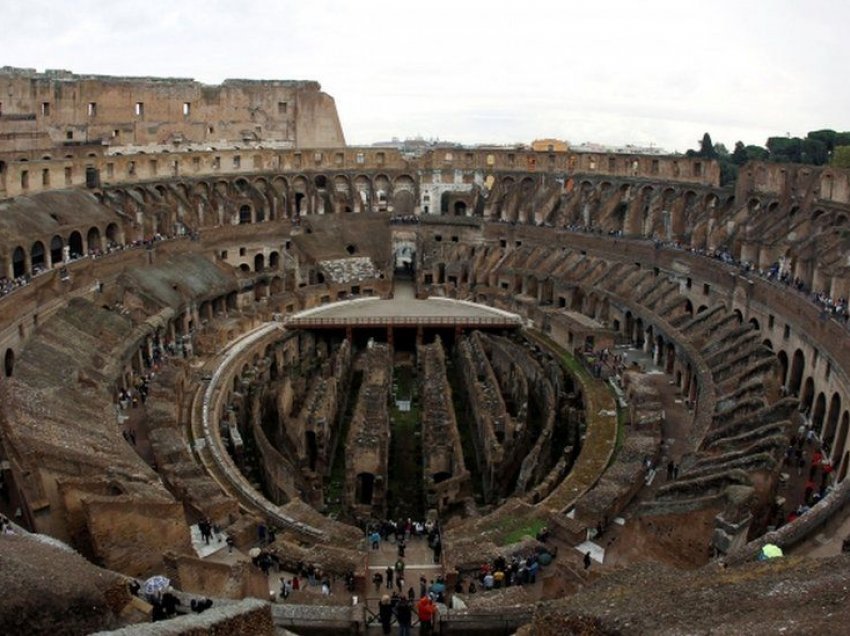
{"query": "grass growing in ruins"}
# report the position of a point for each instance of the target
(404, 489)
(517, 528)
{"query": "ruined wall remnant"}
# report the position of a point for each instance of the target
(446, 476)
(367, 447)
(43, 110)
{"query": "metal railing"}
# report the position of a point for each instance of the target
(390, 321)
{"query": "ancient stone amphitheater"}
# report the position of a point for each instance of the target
(611, 347)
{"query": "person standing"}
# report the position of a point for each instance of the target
(426, 610)
(390, 573)
(586, 560)
(404, 616)
(385, 613)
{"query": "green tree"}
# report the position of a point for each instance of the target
(721, 150)
(826, 136)
(739, 155)
(785, 149)
(841, 157)
(814, 151)
(756, 153)
(706, 148)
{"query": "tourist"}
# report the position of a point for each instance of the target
(285, 588)
(489, 581)
(375, 538)
(326, 586)
(404, 616)
(587, 560)
(385, 613)
(426, 609)
(390, 577)
(378, 580)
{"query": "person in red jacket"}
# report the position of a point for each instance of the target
(427, 610)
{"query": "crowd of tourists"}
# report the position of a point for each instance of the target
(501, 572)
(400, 532)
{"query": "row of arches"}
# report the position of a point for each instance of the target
(258, 199)
(43, 255)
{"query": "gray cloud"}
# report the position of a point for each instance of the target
(657, 72)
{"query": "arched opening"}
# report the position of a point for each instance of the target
(739, 316)
(638, 337)
(841, 440)
(754, 323)
(56, 245)
(832, 419)
(37, 256)
(19, 262)
(261, 215)
(244, 267)
(9, 362)
(321, 181)
(93, 239)
(797, 366)
(112, 234)
(818, 413)
(808, 396)
(460, 208)
(313, 450)
(767, 343)
(689, 307)
(274, 260)
(783, 367)
(244, 214)
(440, 477)
(365, 488)
(351, 249)
(75, 244)
(670, 357)
(261, 290)
(259, 263)
(701, 309)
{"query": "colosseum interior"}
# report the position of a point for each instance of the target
(603, 374)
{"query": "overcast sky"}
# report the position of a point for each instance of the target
(615, 72)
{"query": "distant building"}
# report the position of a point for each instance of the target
(550, 145)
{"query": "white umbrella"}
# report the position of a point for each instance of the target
(155, 585)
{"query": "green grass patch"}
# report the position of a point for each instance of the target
(514, 530)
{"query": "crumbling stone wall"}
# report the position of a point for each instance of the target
(249, 617)
(43, 110)
(446, 477)
(129, 535)
(367, 446)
